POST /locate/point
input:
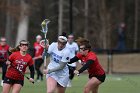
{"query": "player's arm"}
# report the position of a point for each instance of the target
(32, 72)
(63, 62)
(48, 51)
(60, 67)
(45, 54)
(2, 60)
(74, 59)
(86, 66)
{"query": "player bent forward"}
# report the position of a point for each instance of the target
(90, 62)
(57, 71)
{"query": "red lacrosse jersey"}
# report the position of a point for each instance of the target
(95, 68)
(18, 63)
(4, 52)
(38, 49)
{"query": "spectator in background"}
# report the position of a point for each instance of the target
(121, 37)
(73, 47)
(4, 48)
(38, 57)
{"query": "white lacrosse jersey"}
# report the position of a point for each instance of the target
(57, 56)
(73, 47)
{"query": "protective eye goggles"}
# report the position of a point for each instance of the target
(83, 49)
(24, 44)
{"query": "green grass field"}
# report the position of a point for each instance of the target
(113, 84)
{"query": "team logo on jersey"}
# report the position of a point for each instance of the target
(21, 61)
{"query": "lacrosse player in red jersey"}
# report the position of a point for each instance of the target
(4, 48)
(90, 62)
(18, 62)
(38, 57)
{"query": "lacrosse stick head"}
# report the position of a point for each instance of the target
(44, 25)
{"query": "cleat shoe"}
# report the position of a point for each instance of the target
(1, 83)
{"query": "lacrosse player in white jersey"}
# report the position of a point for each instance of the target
(57, 72)
(73, 47)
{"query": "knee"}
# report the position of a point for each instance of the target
(50, 91)
(86, 89)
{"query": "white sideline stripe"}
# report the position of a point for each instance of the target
(114, 78)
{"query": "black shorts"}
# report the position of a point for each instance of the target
(71, 68)
(13, 81)
(99, 77)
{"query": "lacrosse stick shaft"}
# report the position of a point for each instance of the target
(45, 62)
(45, 30)
(45, 59)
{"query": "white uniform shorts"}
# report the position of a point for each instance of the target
(61, 77)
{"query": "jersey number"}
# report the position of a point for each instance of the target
(20, 67)
(56, 60)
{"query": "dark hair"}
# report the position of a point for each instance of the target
(62, 38)
(87, 45)
(64, 34)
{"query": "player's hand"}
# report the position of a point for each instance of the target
(42, 43)
(31, 79)
(45, 71)
(76, 72)
(8, 62)
(35, 58)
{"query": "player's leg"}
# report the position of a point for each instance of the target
(6, 88)
(95, 90)
(39, 66)
(71, 72)
(4, 69)
(60, 89)
(7, 85)
(92, 85)
(16, 88)
(1, 63)
(51, 85)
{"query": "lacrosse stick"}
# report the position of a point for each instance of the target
(44, 26)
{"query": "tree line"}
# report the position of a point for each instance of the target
(97, 20)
